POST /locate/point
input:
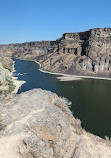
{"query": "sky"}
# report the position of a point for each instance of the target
(37, 20)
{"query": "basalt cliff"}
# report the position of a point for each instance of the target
(84, 53)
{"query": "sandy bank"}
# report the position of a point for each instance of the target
(68, 78)
(73, 78)
(17, 84)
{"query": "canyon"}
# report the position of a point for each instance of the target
(38, 123)
(84, 53)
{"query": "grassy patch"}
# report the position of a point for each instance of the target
(7, 63)
(0, 83)
(8, 66)
(11, 86)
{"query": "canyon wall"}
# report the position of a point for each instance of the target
(84, 53)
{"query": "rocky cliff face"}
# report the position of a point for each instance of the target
(84, 53)
(38, 124)
(6, 68)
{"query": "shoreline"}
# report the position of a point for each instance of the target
(72, 77)
(17, 83)
(53, 73)
(66, 77)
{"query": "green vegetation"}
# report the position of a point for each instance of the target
(7, 63)
(8, 66)
(11, 86)
(0, 83)
(8, 85)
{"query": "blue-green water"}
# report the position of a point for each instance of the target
(91, 99)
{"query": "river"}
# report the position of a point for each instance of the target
(91, 98)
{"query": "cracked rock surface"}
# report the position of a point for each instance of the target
(39, 124)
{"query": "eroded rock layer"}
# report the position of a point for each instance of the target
(84, 53)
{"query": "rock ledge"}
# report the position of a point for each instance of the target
(39, 124)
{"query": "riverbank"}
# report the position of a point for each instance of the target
(17, 83)
(53, 73)
(66, 77)
(73, 77)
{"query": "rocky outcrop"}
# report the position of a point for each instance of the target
(5, 73)
(84, 53)
(39, 124)
(6, 68)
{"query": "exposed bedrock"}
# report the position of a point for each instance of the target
(6, 68)
(39, 124)
(75, 53)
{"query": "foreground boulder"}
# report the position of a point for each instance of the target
(39, 124)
